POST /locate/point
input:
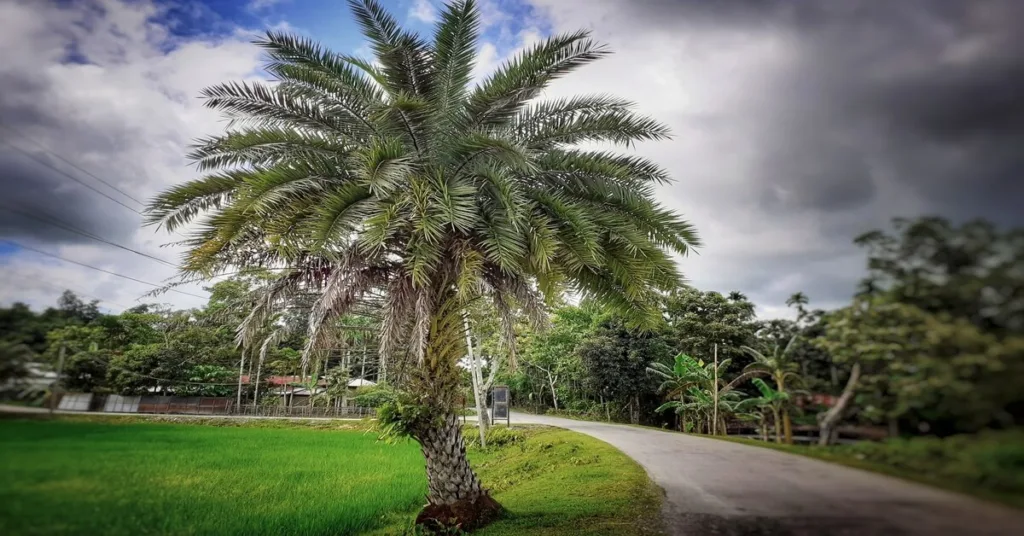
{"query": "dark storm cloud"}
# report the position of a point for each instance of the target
(30, 191)
(33, 195)
(924, 93)
(807, 123)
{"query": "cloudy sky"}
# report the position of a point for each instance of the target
(798, 125)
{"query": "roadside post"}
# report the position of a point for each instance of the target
(499, 404)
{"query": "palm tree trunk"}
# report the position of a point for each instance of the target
(777, 421)
(682, 414)
(455, 497)
(787, 424)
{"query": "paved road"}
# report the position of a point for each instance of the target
(716, 487)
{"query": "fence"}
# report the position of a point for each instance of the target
(347, 412)
(198, 405)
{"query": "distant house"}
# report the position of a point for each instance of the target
(38, 381)
(296, 390)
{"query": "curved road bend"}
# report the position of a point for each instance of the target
(716, 487)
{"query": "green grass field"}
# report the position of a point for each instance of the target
(122, 477)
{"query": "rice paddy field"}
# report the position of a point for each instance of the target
(126, 477)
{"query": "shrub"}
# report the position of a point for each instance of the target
(497, 437)
(375, 396)
(991, 460)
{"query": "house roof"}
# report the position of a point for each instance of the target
(283, 380)
(299, 381)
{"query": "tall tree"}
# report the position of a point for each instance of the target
(615, 362)
(971, 271)
(702, 319)
(397, 178)
(550, 356)
(924, 368)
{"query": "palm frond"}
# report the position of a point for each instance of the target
(454, 43)
(522, 78)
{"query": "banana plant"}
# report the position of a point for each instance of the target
(773, 400)
(683, 374)
(780, 367)
(689, 384)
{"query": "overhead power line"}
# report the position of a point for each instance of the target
(66, 174)
(51, 220)
(70, 163)
(41, 252)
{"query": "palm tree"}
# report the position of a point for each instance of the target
(397, 180)
(800, 300)
(780, 369)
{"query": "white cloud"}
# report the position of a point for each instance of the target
(423, 11)
(126, 110)
(487, 59)
(259, 5)
(491, 14)
(708, 87)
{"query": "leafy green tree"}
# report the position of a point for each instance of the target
(703, 319)
(615, 362)
(15, 358)
(19, 324)
(969, 271)
(399, 176)
(693, 382)
(207, 380)
(551, 362)
(926, 369)
(77, 310)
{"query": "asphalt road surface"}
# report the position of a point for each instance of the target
(716, 487)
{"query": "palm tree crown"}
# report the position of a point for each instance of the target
(401, 179)
(399, 175)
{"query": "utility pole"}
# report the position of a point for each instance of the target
(56, 383)
(477, 379)
(241, 368)
(714, 422)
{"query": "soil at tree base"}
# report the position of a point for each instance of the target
(466, 515)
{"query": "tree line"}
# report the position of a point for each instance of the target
(931, 343)
(155, 349)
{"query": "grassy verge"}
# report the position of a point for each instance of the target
(555, 482)
(989, 466)
(187, 475)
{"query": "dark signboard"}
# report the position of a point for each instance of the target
(499, 406)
